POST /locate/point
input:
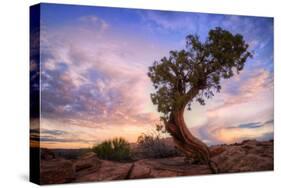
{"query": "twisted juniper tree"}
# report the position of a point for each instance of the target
(194, 74)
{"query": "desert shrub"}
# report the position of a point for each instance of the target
(153, 146)
(117, 149)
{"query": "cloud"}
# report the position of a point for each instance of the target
(52, 132)
(81, 79)
(172, 21)
(253, 88)
(227, 115)
(253, 125)
(97, 87)
(95, 21)
(56, 140)
(228, 134)
(35, 138)
(34, 73)
(259, 131)
(36, 134)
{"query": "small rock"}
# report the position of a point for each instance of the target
(108, 170)
(216, 151)
(88, 160)
(56, 171)
(140, 170)
(248, 156)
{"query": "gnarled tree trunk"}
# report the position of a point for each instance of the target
(186, 142)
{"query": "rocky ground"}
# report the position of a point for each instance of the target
(247, 156)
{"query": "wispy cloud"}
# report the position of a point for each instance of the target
(95, 21)
(100, 86)
(251, 89)
(245, 131)
(226, 117)
(253, 125)
(170, 21)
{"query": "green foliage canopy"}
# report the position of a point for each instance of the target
(196, 71)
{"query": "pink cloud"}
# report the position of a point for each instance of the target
(254, 88)
(102, 87)
(253, 102)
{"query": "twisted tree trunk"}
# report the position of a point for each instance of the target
(186, 142)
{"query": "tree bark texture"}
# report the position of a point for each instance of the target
(186, 142)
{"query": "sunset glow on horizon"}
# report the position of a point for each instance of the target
(94, 83)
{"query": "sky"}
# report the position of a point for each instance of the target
(94, 84)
